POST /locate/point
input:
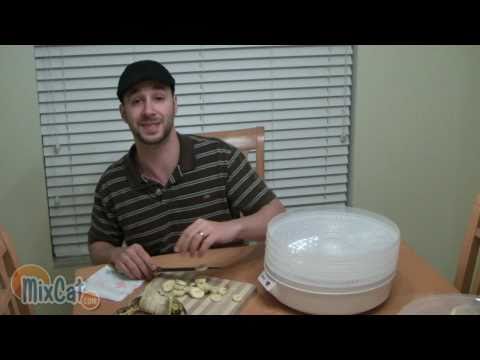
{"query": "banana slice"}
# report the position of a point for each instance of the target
(216, 297)
(222, 290)
(237, 297)
(168, 285)
(180, 282)
(178, 293)
(200, 281)
(196, 293)
(206, 287)
(178, 287)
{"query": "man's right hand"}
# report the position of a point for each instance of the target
(133, 261)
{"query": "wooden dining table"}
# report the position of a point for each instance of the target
(415, 278)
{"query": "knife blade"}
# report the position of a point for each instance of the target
(160, 270)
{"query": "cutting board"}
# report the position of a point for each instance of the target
(205, 306)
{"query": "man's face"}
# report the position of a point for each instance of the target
(149, 110)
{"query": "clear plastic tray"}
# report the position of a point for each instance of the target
(332, 248)
(443, 304)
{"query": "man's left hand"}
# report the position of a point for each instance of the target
(202, 234)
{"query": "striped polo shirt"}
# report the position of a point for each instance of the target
(213, 180)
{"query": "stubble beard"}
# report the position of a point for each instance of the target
(168, 127)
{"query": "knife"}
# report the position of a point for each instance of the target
(160, 270)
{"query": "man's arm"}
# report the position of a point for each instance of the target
(133, 261)
(202, 234)
(101, 252)
(254, 227)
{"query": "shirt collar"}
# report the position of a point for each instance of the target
(186, 160)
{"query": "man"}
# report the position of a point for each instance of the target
(171, 192)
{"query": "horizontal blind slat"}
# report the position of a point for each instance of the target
(176, 69)
(108, 158)
(119, 125)
(60, 60)
(225, 87)
(207, 79)
(197, 99)
(188, 120)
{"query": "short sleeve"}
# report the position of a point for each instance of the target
(246, 190)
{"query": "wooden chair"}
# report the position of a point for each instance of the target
(245, 140)
(464, 280)
(9, 304)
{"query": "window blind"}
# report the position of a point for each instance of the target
(301, 95)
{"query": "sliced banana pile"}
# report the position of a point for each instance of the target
(197, 289)
(164, 297)
(156, 302)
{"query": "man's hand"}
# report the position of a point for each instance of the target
(202, 234)
(133, 261)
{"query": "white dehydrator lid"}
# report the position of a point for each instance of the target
(332, 250)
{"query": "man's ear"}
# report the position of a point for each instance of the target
(121, 108)
(176, 105)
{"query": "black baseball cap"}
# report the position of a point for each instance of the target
(144, 70)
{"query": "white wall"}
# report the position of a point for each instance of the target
(415, 145)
